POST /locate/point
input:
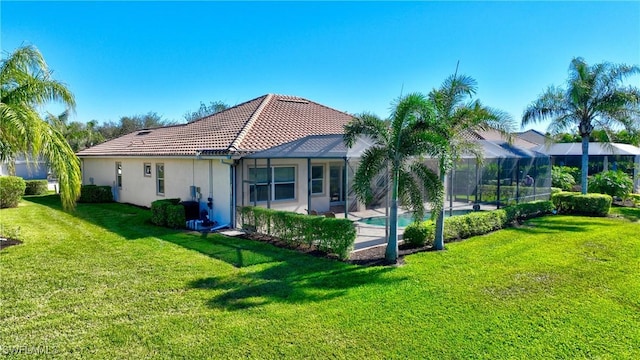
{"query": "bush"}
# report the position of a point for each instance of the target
(176, 217)
(159, 210)
(36, 187)
(528, 210)
(472, 224)
(613, 183)
(11, 191)
(555, 190)
(330, 235)
(576, 203)
(95, 194)
(562, 177)
(419, 233)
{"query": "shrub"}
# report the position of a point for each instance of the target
(472, 224)
(36, 187)
(562, 177)
(11, 191)
(555, 190)
(95, 194)
(576, 203)
(159, 210)
(613, 183)
(419, 233)
(176, 217)
(528, 210)
(330, 235)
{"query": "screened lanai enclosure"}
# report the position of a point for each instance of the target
(313, 175)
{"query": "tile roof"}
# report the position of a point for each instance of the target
(257, 124)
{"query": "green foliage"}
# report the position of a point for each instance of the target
(330, 235)
(27, 85)
(95, 194)
(563, 177)
(176, 217)
(205, 110)
(576, 203)
(36, 187)
(613, 183)
(528, 210)
(475, 223)
(159, 210)
(418, 233)
(11, 191)
(565, 287)
(555, 190)
(472, 224)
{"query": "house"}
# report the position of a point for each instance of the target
(25, 168)
(200, 161)
(602, 156)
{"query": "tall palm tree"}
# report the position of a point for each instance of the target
(457, 114)
(27, 84)
(595, 97)
(399, 142)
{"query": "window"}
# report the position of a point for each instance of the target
(119, 174)
(283, 185)
(147, 169)
(317, 179)
(160, 179)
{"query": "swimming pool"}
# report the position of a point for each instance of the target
(407, 218)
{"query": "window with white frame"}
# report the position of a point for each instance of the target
(317, 179)
(283, 183)
(160, 179)
(119, 174)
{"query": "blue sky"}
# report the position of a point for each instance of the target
(128, 58)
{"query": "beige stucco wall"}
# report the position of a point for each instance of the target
(212, 176)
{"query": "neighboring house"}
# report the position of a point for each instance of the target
(534, 137)
(199, 160)
(28, 170)
(602, 156)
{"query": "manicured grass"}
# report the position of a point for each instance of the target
(102, 283)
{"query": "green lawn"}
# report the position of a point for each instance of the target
(102, 283)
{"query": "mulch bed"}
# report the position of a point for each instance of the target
(368, 257)
(4, 242)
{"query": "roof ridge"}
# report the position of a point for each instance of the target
(225, 110)
(247, 126)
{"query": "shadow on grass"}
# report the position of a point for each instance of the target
(296, 280)
(129, 221)
(551, 224)
(267, 274)
(631, 214)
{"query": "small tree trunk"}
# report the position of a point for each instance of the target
(391, 254)
(438, 241)
(585, 163)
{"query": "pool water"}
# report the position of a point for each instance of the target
(407, 218)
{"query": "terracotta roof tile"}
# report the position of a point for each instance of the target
(257, 124)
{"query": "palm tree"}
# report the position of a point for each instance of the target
(398, 144)
(27, 84)
(594, 97)
(457, 114)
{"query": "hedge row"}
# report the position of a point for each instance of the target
(330, 235)
(36, 187)
(95, 194)
(169, 213)
(475, 223)
(576, 203)
(11, 191)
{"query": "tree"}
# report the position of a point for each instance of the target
(27, 84)
(456, 115)
(128, 124)
(398, 144)
(205, 110)
(595, 97)
(79, 135)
